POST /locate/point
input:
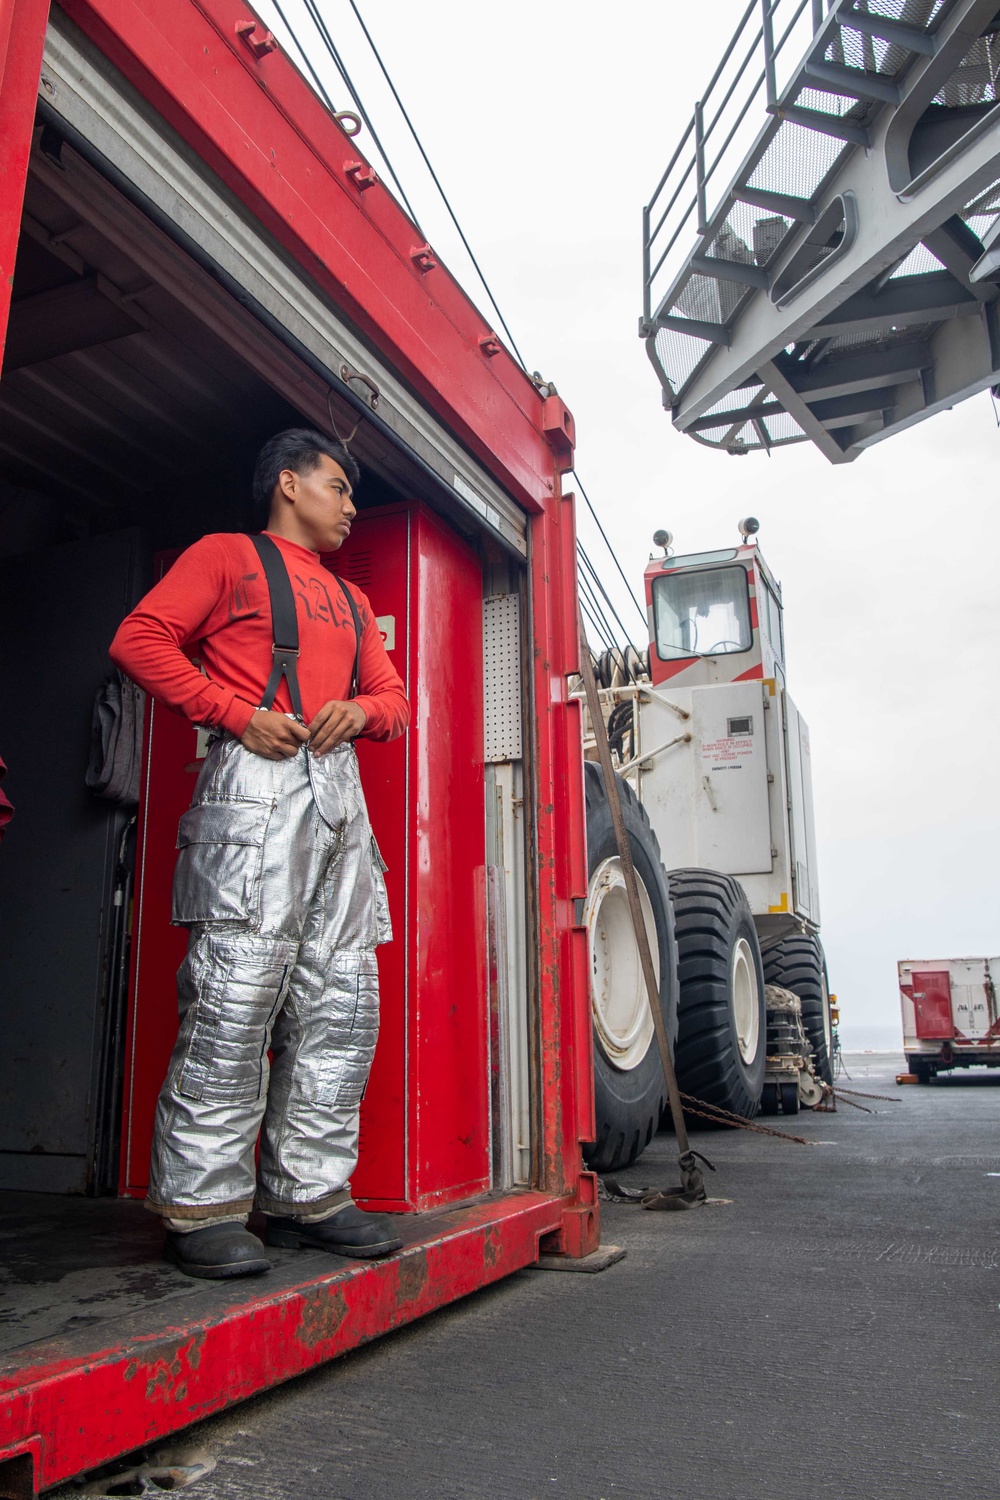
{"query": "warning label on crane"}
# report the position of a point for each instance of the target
(728, 754)
(730, 801)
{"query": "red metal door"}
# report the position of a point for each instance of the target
(426, 1110)
(425, 1117)
(932, 1003)
(173, 756)
(376, 558)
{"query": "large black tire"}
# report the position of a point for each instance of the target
(789, 1098)
(797, 964)
(629, 1090)
(719, 967)
(920, 1068)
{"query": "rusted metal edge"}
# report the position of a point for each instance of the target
(90, 1409)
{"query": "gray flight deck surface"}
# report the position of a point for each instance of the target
(831, 1332)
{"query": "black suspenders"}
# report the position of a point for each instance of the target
(285, 627)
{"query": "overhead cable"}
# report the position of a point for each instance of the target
(587, 596)
(318, 83)
(313, 12)
(614, 556)
(436, 181)
(339, 63)
(589, 616)
(596, 610)
(588, 589)
(602, 623)
(585, 561)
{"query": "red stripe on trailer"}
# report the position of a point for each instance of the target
(93, 1405)
(932, 1004)
(567, 1091)
(752, 674)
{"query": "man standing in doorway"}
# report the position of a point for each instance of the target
(278, 877)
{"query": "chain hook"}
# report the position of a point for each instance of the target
(345, 442)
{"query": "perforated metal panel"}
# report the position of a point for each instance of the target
(502, 663)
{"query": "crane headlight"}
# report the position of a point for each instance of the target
(749, 527)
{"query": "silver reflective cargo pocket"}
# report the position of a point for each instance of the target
(383, 922)
(220, 851)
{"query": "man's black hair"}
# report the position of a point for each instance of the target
(300, 450)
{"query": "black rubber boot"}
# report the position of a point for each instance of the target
(350, 1231)
(220, 1250)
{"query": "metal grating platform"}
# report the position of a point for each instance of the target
(832, 276)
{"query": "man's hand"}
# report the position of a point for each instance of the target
(274, 736)
(335, 723)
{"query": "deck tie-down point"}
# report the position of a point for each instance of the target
(690, 1194)
(167, 1469)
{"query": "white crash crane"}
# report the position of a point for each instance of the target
(716, 784)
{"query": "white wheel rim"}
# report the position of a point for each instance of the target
(746, 1000)
(618, 1000)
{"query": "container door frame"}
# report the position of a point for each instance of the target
(22, 43)
(140, 155)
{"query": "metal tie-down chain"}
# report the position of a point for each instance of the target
(691, 1192)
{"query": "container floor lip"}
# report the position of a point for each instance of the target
(128, 1377)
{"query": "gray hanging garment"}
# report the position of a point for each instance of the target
(116, 741)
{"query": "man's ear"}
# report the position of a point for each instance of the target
(287, 483)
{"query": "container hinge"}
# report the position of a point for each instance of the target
(261, 43)
(422, 257)
(362, 175)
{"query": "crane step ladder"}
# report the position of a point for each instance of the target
(835, 275)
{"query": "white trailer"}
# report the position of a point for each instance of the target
(951, 1018)
(716, 771)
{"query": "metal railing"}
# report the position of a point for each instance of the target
(763, 56)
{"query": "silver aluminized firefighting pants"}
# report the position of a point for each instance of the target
(280, 882)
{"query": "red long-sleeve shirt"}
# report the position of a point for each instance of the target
(214, 602)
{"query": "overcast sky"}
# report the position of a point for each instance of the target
(549, 126)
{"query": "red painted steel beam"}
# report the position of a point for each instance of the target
(22, 37)
(259, 126)
(566, 1048)
(78, 1412)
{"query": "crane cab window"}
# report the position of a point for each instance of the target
(702, 614)
(771, 614)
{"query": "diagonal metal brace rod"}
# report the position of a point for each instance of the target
(640, 760)
(692, 1188)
